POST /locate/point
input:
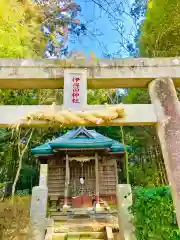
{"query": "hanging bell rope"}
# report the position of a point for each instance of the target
(76, 117)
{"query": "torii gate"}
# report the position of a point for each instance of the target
(158, 74)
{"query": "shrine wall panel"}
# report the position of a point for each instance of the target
(56, 177)
(108, 176)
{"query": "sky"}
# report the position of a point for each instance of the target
(101, 37)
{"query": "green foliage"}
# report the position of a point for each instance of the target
(22, 193)
(99, 96)
(2, 185)
(147, 168)
(154, 216)
(20, 30)
(28, 177)
(137, 95)
(160, 36)
(144, 175)
(21, 37)
(19, 97)
(111, 132)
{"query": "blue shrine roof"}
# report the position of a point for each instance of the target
(43, 149)
(79, 139)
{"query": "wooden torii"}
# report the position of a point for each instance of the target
(160, 75)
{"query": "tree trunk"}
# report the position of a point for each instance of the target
(17, 177)
(21, 154)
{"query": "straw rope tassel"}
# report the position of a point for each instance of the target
(96, 117)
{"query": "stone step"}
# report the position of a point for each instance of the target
(79, 235)
(93, 238)
(56, 213)
(52, 210)
(55, 194)
(59, 218)
(59, 236)
(90, 235)
(51, 185)
(56, 189)
(53, 199)
(55, 186)
(92, 227)
(67, 227)
(57, 179)
(54, 183)
(56, 237)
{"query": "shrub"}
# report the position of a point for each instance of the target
(154, 215)
(2, 185)
(22, 193)
(14, 218)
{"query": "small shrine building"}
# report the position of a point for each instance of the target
(80, 168)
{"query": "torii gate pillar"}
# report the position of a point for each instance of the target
(167, 107)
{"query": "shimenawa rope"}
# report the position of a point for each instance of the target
(93, 116)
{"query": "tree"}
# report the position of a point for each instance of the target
(20, 30)
(146, 162)
(160, 35)
(138, 9)
(61, 21)
(20, 38)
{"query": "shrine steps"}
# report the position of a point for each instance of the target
(69, 214)
(79, 235)
(78, 232)
(82, 214)
(86, 231)
(83, 224)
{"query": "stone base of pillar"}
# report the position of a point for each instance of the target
(124, 202)
(38, 221)
(98, 205)
(98, 208)
(66, 206)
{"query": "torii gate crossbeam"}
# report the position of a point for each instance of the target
(103, 73)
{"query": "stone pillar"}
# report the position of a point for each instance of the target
(38, 212)
(124, 201)
(97, 179)
(43, 178)
(66, 190)
(167, 107)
